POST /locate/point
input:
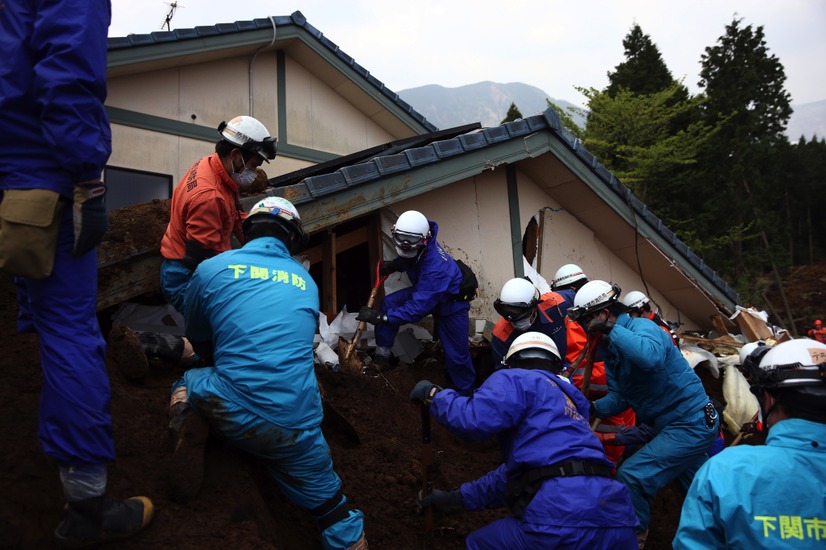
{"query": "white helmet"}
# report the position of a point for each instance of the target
(593, 296)
(410, 233)
(282, 212)
(517, 299)
(795, 363)
(567, 275)
(635, 299)
(748, 349)
(250, 135)
(533, 346)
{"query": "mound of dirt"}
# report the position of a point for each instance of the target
(804, 290)
(238, 505)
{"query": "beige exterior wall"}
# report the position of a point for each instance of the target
(474, 225)
(317, 117)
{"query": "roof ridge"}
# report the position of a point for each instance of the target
(295, 19)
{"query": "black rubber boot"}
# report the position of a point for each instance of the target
(163, 346)
(102, 519)
(189, 432)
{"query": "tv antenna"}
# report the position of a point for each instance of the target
(170, 14)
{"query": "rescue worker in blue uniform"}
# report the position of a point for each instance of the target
(436, 280)
(252, 313)
(524, 310)
(769, 496)
(647, 372)
(555, 478)
(54, 145)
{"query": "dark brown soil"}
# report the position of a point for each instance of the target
(238, 506)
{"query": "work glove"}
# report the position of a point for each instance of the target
(391, 267)
(89, 215)
(370, 315)
(444, 501)
(423, 392)
(597, 325)
(634, 435)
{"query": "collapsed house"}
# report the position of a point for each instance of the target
(521, 198)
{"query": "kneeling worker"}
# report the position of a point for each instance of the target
(555, 479)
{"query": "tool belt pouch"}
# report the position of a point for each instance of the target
(519, 492)
(29, 225)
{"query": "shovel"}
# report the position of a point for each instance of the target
(427, 484)
(593, 344)
(347, 357)
(336, 422)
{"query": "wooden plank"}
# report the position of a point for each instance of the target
(328, 274)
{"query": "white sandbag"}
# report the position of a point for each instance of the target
(326, 357)
(741, 404)
(343, 325)
(698, 356)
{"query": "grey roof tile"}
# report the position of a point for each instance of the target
(326, 184)
(391, 164)
(356, 174)
(473, 140)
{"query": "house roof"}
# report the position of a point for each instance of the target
(179, 44)
(357, 184)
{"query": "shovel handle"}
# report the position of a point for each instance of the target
(740, 436)
(593, 344)
(427, 460)
(370, 300)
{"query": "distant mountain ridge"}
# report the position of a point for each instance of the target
(807, 120)
(488, 103)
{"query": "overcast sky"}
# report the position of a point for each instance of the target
(551, 44)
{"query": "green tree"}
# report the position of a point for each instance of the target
(513, 114)
(643, 71)
(566, 116)
(633, 136)
(738, 181)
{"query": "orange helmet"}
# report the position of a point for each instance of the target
(818, 322)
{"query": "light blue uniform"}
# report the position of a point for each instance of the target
(647, 372)
(539, 421)
(771, 496)
(259, 308)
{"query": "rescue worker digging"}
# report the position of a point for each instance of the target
(567, 280)
(646, 371)
(204, 216)
(437, 282)
(555, 478)
(252, 312)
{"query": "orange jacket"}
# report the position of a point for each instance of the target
(818, 334)
(205, 208)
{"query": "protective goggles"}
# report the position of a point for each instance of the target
(408, 241)
(267, 147)
(785, 376)
(514, 311)
(579, 313)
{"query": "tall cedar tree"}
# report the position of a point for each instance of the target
(512, 114)
(643, 71)
(738, 190)
(646, 129)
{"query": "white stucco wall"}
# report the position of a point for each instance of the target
(474, 225)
